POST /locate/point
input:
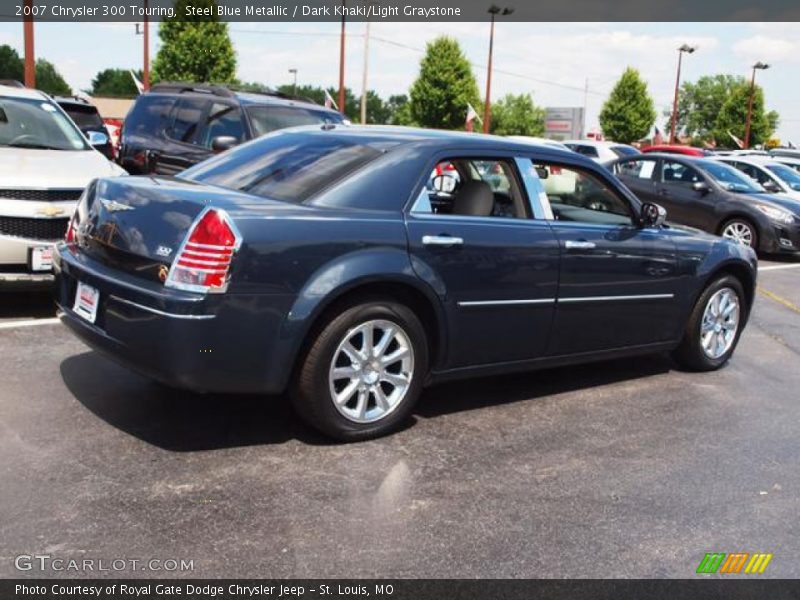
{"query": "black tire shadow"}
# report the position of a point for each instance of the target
(183, 421)
(179, 420)
(473, 394)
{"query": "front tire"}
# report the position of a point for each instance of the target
(714, 327)
(741, 231)
(363, 372)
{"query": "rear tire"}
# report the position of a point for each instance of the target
(714, 327)
(363, 371)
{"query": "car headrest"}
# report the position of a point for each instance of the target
(474, 199)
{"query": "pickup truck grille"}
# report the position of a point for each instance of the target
(34, 229)
(41, 195)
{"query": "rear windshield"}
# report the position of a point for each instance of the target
(85, 118)
(624, 150)
(266, 119)
(284, 166)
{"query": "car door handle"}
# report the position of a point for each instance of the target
(579, 245)
(442, 240)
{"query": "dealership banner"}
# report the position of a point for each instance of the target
(400, 589)
(399, 10)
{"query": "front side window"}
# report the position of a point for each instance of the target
(577, 195)
(37, 123)
(679, 174)
(266, 119)
(222, 120)
(471, 187)
(789, 176)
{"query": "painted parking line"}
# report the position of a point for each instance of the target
(779, 267)
(779, 299)
(29, 323)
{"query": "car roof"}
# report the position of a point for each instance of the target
(22, 92)
(597, 143)
(756, 160)
(393, 135)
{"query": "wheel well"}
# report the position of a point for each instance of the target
(744, 276)
(397, 292)
(740, 217)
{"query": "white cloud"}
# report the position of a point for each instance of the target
(767, 48)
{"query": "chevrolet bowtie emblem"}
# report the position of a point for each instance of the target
(50, 211)
(113, 205)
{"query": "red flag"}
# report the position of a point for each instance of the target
(658, 139)
(472, 114)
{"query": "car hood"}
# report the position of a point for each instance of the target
(785, 202)
(32, 168)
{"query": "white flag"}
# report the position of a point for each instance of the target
(329, 101)
(472, 114)
(139, 84)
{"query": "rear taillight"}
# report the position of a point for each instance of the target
(69, 236)
(203, 262)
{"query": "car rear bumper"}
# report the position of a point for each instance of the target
(217, 343)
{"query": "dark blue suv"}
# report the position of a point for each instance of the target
(177, 125)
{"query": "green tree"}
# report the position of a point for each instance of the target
(629, 114)
(196, 49)
(399, 109)
(115, 83)
(699, 105)
(516, 114)
(733, 117)
(444, 87)
(49, 80)
(11, 66)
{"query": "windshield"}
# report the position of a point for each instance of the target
(266, 119)
(284, 166)
(789, 176)
(85, 118)
(730, 178)
(35, 123)
(624, 150)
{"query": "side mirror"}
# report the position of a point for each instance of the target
(653, 215)
(542, 172)
(223, 142)
(701, 186)
(97, 138)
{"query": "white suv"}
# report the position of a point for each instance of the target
(45, 164)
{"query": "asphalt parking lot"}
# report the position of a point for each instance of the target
(621, 469)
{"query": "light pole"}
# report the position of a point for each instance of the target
(364, 76)
(494, 10)
(688, 50)
(294, 83)
(763, 67)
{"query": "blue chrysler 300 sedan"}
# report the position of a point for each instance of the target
(354, 265)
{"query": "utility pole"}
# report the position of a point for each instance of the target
(364, 77)
(585, 106)
(341, 63)
(146, 57)
(30, 57)
(763, 67)
(294, 83)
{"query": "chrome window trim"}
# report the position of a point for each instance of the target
(507, 302)
(613, 298)
(568, 300)
(162, 313)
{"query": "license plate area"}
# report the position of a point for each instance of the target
(87, 300)
(40, 259)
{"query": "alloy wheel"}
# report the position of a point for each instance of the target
(739, 232)
(371, 370)
(720, 323)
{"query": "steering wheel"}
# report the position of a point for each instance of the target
(22, 138)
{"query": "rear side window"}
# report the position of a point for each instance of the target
(285, 166)
(186, 120)
(266, 119)
(636, 169)
(148, 115)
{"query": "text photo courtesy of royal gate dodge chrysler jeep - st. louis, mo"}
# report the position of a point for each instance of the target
(399, 300)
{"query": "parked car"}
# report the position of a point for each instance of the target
(771, 174)
(318, 259)
(599, 151)
(45, 164)
(789, 161)
(677, 149)
(715, 197)
(175, 126)
(88, 120)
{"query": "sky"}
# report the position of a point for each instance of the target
(552, 61)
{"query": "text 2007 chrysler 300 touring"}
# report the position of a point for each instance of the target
(355, 265)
